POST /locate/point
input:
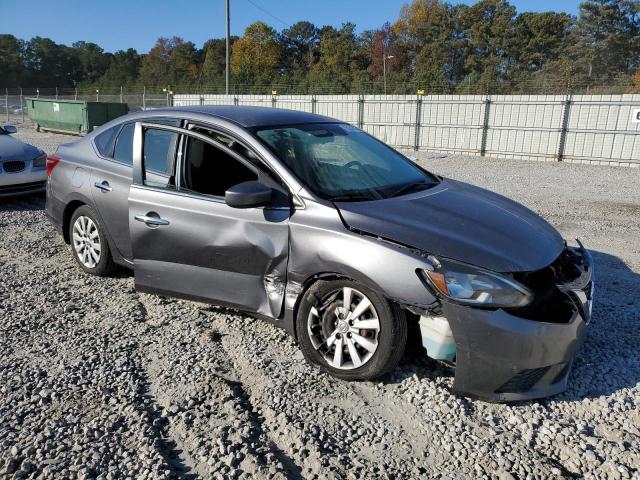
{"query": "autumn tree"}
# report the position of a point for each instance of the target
(255, 55)
(155, 66)
(343, 60)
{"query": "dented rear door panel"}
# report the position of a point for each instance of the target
(209, 251)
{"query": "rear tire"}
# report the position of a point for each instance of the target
(89, 244)
(349, 330)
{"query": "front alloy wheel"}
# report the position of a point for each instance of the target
(350, 330)
(345, 330)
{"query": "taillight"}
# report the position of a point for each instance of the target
(52, 161)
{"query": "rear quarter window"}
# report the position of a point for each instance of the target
(105, 141)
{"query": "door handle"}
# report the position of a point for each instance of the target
(104, 186)
(155, 221)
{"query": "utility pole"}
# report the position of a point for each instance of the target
(227, 51)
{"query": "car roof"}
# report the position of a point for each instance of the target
(249, 116)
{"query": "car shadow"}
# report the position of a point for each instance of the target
(20, 203)
(608, 361)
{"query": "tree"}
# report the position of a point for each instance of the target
(300, 44)
(608, 38)
(256, 54)
(212, 72)
(49, 64)
(155, 65)
(489, 31)
(429, 32)
(11, 64)
(183, 68)
(342, 58)
(123, 69)
(92, 59)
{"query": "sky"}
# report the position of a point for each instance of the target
(121, 24)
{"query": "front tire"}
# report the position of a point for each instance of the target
(349, 330)
(89, 245)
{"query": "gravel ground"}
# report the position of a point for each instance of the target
(99, 381)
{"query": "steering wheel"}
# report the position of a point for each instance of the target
(352, 163)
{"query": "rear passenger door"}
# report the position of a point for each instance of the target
(187, 242)
(111, 179)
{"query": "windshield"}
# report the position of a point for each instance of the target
(342, 163)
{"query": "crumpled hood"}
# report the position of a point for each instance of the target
(13, 149)
(461, 222)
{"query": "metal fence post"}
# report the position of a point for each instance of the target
(56, 93)
(273, 101)
(485, 126)
(416, 139)
(6, 102)
(75, 94)
(22, 105)
(564, 127)
(235, 100)
(144, 98)
(121, 96)
(313, 103)
(360, 111)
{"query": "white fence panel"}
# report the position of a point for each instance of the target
(452, 123)
(581, 128)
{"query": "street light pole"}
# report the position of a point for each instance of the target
(385, 57)
(227, 51)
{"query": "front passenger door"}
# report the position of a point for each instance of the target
(188, 242)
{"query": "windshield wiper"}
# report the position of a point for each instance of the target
(411, 186)
(350, 198)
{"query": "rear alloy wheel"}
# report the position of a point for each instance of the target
(350, 331)
(88, 244)
(86, 241)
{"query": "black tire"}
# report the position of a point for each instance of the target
(105, 265)
(391, 338)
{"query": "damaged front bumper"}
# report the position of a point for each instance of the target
(510, 356)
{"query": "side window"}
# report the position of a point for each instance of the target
(124, 145)
(241, 150)
(105, 140)
(160, 151)
(210, 171)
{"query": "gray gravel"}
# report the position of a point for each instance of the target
(98, 381)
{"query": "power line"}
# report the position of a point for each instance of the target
(268, 13)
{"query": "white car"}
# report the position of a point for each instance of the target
(22, 166)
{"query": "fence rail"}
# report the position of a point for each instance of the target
(601, 129)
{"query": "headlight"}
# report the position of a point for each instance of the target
(474, 286)
(40, 161)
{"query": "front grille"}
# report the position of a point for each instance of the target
(13, 166)
(21, 188)
(523, 380)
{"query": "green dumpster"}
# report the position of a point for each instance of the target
(72, 116)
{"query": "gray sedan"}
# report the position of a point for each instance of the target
(22, 166)
(314, 225)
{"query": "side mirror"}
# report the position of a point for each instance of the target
(248, 195)
(10, 129)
